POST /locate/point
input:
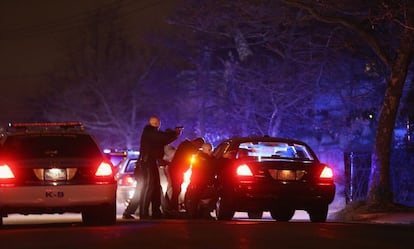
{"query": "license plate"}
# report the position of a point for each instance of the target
(283, 175)
(55, 174)
(288, 175)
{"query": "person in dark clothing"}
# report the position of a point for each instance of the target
(200, 198)
(148, 190)
(179, 164)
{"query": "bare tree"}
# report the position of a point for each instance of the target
(265, 99)
(259, 89)
(101, 83)
(275, 66)
(387, 27)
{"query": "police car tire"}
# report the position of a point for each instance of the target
(318, 214)
(224, 208)
(282, 213)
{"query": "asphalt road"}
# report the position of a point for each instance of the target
(45, 231)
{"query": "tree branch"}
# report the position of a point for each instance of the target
(368, 37)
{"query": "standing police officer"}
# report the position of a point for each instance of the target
(148, 191)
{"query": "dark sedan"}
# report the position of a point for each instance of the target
(258, 174)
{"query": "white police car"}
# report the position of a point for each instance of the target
(55, 168)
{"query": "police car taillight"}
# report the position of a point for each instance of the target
(104, 169)
(327, 173)
(7, 178)
(6, 172)
(127, 180)
(244, 170)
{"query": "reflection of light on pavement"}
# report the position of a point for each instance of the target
(42, 218)
(300, 215)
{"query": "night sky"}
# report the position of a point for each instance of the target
(31, 35)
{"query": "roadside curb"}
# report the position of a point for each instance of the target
(393, 217)
(384, 218)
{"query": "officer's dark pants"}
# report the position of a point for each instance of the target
(151, 194)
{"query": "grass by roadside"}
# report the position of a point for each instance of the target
(360, 211)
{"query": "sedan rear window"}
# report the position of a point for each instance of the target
(271, 150)
(46, 146)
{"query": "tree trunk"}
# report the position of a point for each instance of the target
(379, 188)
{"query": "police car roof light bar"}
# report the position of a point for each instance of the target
(28, 125)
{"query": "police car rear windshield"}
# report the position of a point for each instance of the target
(49, 146)
(274, 150)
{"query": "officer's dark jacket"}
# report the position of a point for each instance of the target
(153, 142)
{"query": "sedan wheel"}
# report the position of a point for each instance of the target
(282, 214)
(318, 214)
(224, 209)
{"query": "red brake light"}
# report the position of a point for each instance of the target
(104, 169)
(6, 172)
(326, 173)
(244, 170)
(127, 180)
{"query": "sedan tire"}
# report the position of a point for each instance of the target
(224, 208)
(318, 214)
(282, 213)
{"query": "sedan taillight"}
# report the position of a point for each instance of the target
(244, 170)
(327, 173)
(6, 172)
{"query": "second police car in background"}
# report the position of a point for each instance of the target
(257, 174)
(126, 179)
